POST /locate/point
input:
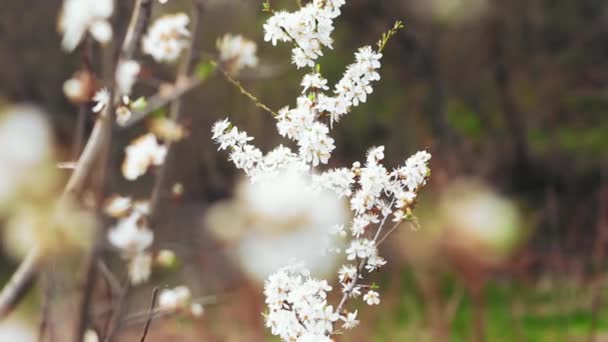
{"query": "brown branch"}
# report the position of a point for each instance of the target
(150, 315)
(117, 313)
(20, 282)
(139, 20)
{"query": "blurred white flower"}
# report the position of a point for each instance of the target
(372, 297)
(102, 100)
(126, 75)
(27, 143)
(117, 206)
(79, 16)
(90, 336)
(141, 154)
(167, 37)
(174, 299)
(130, 234)
(237, 52)
(140, 267)
(282, 219)
(15, 330)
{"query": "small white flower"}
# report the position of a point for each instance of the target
(118, 206)
(238, 52)
(141, 154)
(374, 262)
(314, 81)
(130, 234)
(126, 75)
(372, 298)
(174, 299)
(80, 16)
(350, 321)
(197, 310)
(140, 268)
(167, 37)
(102, 100)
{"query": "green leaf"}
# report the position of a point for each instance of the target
(139, 104)
(204, 69)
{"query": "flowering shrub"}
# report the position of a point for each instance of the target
(298, 309)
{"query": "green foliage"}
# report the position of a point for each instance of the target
(386, 36)
(205, 69)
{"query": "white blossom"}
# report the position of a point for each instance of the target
(130, 234)
(126, 75)
(81, 16)
(314, 81)
(237, 51)
(140, 267)
(174, 299)
(102, 100)
(118, 206)
(167, 37)
(372, 297)
(350, 320)
(141, 154)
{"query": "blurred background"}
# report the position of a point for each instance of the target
(510, 97)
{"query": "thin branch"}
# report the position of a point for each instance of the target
(150, 315)
(162, 99)
(244, 91)
(139, 20)
(20, 282)
(117, 313)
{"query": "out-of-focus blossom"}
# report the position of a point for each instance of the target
(167, 129)
(140, 267)
(81, 16)
(118, 206)
(174, 299)
(167, 37)
(271, 226)
(126, 75)
(237, 52)
(80, 88)
(26, 159)
(130, 234)
(102, 100)
(141, 154)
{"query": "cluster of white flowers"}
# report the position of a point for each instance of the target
(297, 303)
(309, 28)
(141, 154)
(167, 37)
(354, 86)
(249, 158)
(80, 16)
(237, 52)
(179, 299)
(131, 235)
(298, 309)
